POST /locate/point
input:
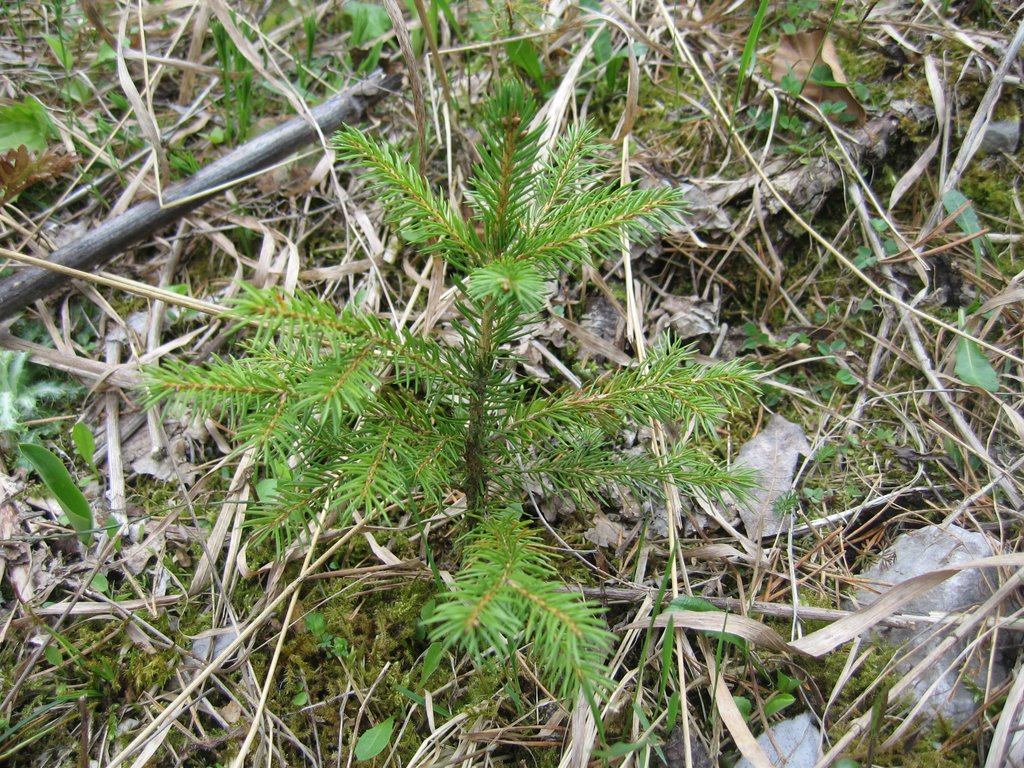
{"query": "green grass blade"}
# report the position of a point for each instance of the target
(749, 51)
(85, 443)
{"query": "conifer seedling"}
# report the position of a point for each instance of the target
(379, 421)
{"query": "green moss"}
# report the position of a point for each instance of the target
(382, 643)
(986, 184)
(667, 125)
(929, 752)
(143, 671)
(479, 695)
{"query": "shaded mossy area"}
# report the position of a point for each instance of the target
(90, 675)
(341, 644)
(345, 643)
(319, 690)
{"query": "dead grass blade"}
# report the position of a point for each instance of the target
(111, 281)
(846, 628)
(107, 240)
(750, 630)
(911, 176)
(230, 517)
(811, 231)
(145, 117)
(831, 637)
(859, 726)
(397, 16)
(926, 367)
(174, 710)
(1009, 720)
(200, 25)
(738, 728)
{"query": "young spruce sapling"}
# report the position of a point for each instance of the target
(378, 420)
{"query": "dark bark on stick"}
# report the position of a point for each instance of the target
(115, 235)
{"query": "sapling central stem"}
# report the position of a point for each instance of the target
(476, 429)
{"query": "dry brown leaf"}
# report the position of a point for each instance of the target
(906, 182)
(798, 54)
(14, 551)
(95, 16)
(20, 169)
(688, 316)
(605, 532)
(1010, 295)
(717, 552)
(773, 455)
(231, 712)
(593, 344)
(99, 608)
(737, 726)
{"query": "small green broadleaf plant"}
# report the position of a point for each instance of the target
(377, 419)
(58, 481)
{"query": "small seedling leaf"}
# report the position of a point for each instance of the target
(691, 603)
(316, 624)
(415, 698)
(786, 684)
(744, 706)
(621, 749)
(25, 123)
(100, 584)
(667, 647)
(266, 489)
(524, 55)
(844, 376)
(53, 655)
(973, 367)
(369, 21)
(672, 711)
(60, 51)
(968, 222)
(85, 443)
(777, 703)
(750, 49)
(430, 661)
(56, 478)
(373, 741)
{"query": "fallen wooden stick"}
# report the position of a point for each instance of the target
(113, 236)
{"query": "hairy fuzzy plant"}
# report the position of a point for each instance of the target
(21, 396)
(376, 419)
